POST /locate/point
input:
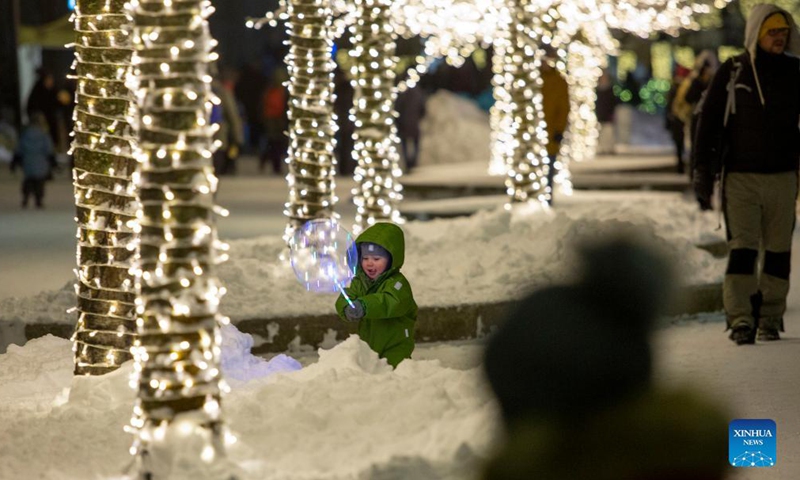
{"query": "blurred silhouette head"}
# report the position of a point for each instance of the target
(568, 350)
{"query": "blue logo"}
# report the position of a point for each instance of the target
(752, 443)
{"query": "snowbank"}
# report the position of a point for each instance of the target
(346, 416)
(453, 130)
(492, 256)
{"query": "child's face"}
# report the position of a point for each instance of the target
(374, 265)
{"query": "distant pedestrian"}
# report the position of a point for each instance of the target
(748, 135)
(230, 133)
(555, 103)
(605, 105)
(410, 106)
(249, 90)
(44, 99)
(571, 368)
(690, 94)
(276, 122)
(675, 121)
(36, 156)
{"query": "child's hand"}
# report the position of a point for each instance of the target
(355, 312)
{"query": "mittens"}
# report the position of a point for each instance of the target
(354, 312)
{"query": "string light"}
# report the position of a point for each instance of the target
(177, 352)
(378, 189)
(578, 30)
(312, 122)
(105, 197)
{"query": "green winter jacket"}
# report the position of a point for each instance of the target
(390, 311)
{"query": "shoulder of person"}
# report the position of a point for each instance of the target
(396, 281)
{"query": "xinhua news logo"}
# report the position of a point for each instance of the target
(752, 443)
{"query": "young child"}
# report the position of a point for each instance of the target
(382, 299)
(36, 155)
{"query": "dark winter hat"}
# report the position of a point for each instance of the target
(568, 350)
(368, 248)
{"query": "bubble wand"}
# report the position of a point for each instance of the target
(344, 294)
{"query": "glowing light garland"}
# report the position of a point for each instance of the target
(579, 30)
(312, 123)
(105, 196)
(519, 131)
(584, 68)
(177, 414)
(378, 189)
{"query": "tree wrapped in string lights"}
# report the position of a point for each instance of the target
(312, 123)
(177, 416)
(105, 196)
(519, 132)
(378, 189)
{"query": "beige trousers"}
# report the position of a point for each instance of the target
(759, 216)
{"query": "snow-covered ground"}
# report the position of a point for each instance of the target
(346, 415)
(492, 256)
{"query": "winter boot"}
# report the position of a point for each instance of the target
(768, 329)
(743, 335)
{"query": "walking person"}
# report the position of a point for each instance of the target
(410, 106)
(230, 133)
(37, 157)
(605, 105)
(675, 118)
(748, 134)
(555, 106)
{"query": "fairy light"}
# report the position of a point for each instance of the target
(643, 17)
(584, 67)
(177, 351)
(105, 197)
(378, 190)
(519, 134)
(312, 122)
(454, 28)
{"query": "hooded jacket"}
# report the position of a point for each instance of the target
(390, 312)
(750, 116)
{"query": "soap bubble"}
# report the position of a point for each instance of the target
(323, 255)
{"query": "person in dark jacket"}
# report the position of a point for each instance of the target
(604, 108)
(36, 155)
(43, 99)
(674, 122)
(410, 106)
(571, 368)
(382, 300)
(749, 131)
(691, 93)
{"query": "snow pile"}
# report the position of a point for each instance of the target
(238, 364)
(347, 416)
(492, 256)
(453, 130)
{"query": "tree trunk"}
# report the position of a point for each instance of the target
(312, 129)
(105, 197)
(378, 190)
(177, 414)
(519, 132)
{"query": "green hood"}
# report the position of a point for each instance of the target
(388, 236)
